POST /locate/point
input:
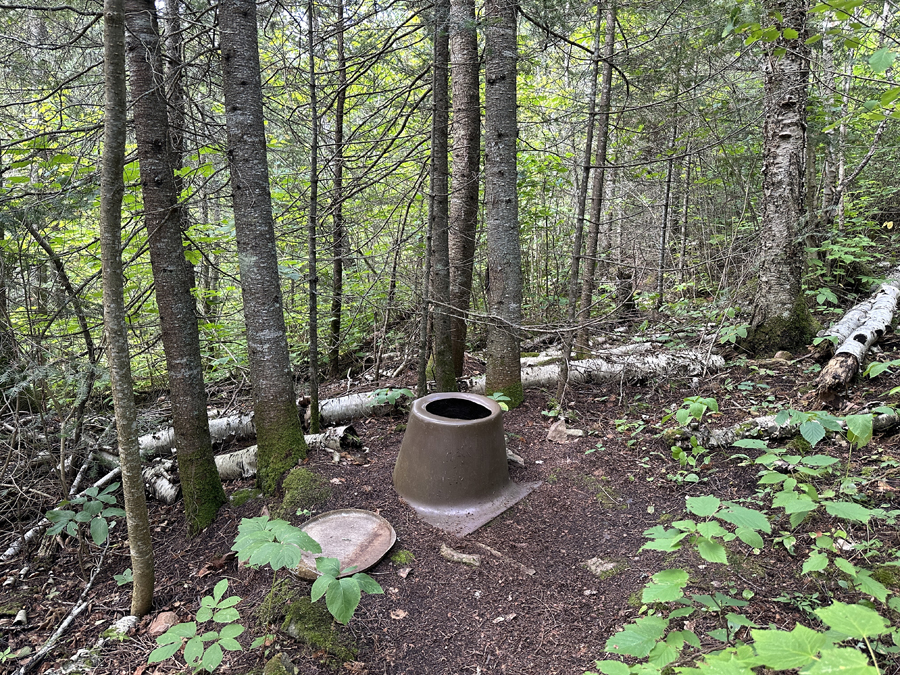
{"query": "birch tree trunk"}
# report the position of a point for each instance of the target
(780, 318)
(442, 349)
(501, 202)
(172, 275)
(466, 153)
(279, 434)
(112, 188)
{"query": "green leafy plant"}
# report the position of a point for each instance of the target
(124, 578)
(693, 408)
(95, 508)
(501, 400)
(342, 595)
(390, 396)
(204, 651)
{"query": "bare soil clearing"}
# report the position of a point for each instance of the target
(598, 494)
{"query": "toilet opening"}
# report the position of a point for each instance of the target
(458, 409)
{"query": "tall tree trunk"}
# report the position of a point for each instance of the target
(667, 207)
(172, 274)
(339, 237)
(582, 341)
(279, 434)
(442, 349)
(502, 207)
(112, 188)
(466, 154)
(780, 318)
(580, 204)
(313, 221)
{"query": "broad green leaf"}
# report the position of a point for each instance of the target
(193, 650)
(231, 630)
(702, 506)
(790, 34)
(665, 586)
(609, 667)
(320, 585)
(739, 620)
(848, 511)
(663, 654)
(328, 566)
(854, 621)
(842, 661)
(204, 614)
(230, 644)
(846, 566)
(870, 586)
(820, 460)
(277, 555)
(342, 599)
(882, 60)
(751, 443)
(750, 537)
(711, 529)
(812, 431)
(219, 589)
(859, 429)
(113, 512)
(99, 530)
(178, 631)
(638, 638)
(164, 652)
(711, 551)
(227, 615)
(815, 563)
(212, 657)
(367, 584)
(229, 602)
(782, 650)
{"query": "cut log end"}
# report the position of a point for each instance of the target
(836, 377)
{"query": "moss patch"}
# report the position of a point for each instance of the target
(799, 445)
(311, 624)
(887, 575)
(402, 557)
(792, 332)
(244, 495)
(271, 609)
(303, 489)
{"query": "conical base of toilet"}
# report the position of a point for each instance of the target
(452, 468)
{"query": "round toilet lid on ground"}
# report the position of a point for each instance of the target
(357, 538)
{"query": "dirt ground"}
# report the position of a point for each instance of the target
(597, 495)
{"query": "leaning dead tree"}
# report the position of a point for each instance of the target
(854, 334)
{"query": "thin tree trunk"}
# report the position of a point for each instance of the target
(667, 207)
(501, 203)
(580, 204)
(313, 221)
(582, 341)
(279, 434)
(172, 274)
(442, 350)
(466, 155)
(112, 188)
(339, 244)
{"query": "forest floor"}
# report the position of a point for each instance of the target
(597, 496)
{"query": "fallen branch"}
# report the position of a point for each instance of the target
(855, 333)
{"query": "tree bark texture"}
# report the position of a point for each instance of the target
(442, 350)
(580, 206)
(312, 227)
(501, 202)
(780, 318)
(338, 237)
(466, 129)
(112, 188)
(279, 432)
(172, 274)
(582, 340)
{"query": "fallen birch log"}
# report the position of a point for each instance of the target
(762, 428)
(628, 362)
(222, 429)
(242, 463)
(867, 323)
